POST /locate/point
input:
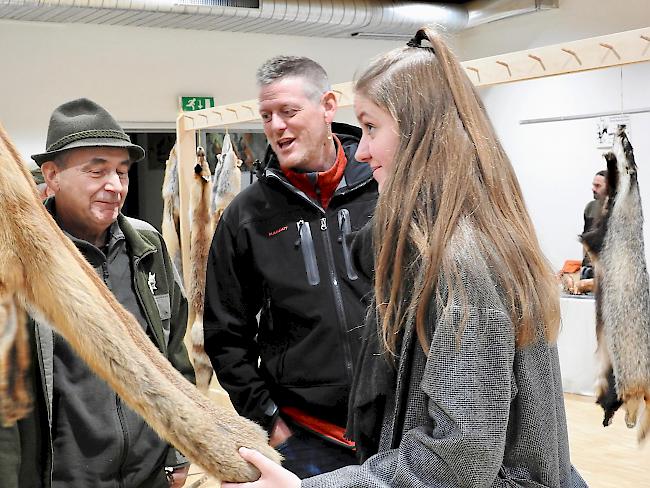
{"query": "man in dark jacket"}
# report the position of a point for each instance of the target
(592, 212)
(280, 251)
(80, 433)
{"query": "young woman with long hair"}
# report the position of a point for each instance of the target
(459, 380)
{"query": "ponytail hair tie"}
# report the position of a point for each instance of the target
(417, 39)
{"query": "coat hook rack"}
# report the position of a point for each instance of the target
(475, 70)
(538, 59)
(502, 63)
(250, 109)
(572, 53)
(611, 48)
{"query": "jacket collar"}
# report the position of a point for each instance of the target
(138, 244)
(356, 173)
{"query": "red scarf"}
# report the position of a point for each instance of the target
(326, 181)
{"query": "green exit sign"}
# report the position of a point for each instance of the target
(196, 103)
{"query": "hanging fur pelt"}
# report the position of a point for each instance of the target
(227, 179)
(200, 237)
(622, 293)
(41, 271)
(171, 225)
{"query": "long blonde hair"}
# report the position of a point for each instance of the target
(449, 166)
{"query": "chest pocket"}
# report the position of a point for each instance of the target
(165, 311)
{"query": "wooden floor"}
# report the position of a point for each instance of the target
(605, 457)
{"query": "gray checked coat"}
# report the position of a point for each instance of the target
(474, 412)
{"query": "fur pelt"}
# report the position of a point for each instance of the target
(200, 237)
(622, 293)
(42, 272)
(171, 225)
(227, 179)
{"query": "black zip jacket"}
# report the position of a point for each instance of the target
(278, 254)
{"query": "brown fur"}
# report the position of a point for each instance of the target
(44, 272)
(171, 225)
(15, 401)
(201, 234)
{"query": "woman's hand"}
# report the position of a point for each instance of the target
(273, 475)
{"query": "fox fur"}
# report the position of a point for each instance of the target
(171, 225)
(227, 179)
(622, 293)
(15, 401)
(201, 235)
(42, 272)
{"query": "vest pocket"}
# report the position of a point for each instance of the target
(164, 306)
(165, 311)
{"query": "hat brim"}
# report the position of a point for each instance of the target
(135, 152)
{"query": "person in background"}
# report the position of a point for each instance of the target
(459, 379)
(592, 212)
(80, 433)
(280, 251)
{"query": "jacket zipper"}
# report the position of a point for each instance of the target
(346, 230)
(308, 252)
(125, 434)
(338, 298)
(118, 407)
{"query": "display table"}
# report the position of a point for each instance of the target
(577, 344)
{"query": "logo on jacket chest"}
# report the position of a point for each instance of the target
(151, 281)
(275, 232)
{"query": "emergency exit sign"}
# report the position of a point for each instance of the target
(189, 104)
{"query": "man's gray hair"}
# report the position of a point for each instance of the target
(281, 67)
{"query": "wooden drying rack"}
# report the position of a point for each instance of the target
(570, 57)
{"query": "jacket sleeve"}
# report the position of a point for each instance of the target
(468, 386)
(233, 297)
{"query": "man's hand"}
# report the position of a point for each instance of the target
(273, 475)
(178, 476)
(280, 433)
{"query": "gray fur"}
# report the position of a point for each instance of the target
(623, 289)
(227, 179)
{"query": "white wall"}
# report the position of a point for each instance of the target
(138, 73)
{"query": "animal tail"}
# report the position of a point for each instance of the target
(202, 365)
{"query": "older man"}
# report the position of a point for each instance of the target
(280, 250)
(80, 433)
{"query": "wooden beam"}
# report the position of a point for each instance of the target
(186, 153)
(568, 57)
